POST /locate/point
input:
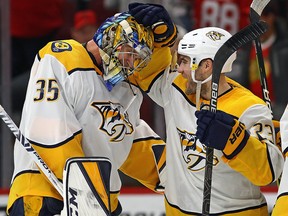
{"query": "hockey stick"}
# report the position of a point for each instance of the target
(84, 198)
(241, 38)
(256, 9)
(29, 148)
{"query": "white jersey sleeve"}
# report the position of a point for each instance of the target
(281, 207)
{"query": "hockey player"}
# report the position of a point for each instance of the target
(281, 207)
(239, 168)
(82, 101)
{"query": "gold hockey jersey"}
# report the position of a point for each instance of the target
(68, 112)
(235, 182)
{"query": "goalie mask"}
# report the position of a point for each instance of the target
(202, 44)
(120, 38)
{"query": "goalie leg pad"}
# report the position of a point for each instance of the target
(87, 187)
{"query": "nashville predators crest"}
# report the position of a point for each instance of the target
(194, 155)
(114, 121)
(60, 46)
(214, 35)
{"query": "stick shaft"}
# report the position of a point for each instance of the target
(256, 9)
(238, 40)
(32, 152)
(263, 79)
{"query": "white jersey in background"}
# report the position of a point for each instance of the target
(281, 207)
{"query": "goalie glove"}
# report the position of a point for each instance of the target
(221, 131)
(157, 18)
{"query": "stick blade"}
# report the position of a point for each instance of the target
(248, 34)
(241, 38)
(259, 5)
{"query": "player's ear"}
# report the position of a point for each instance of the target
(207, 64)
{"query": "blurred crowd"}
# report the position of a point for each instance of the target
(34, 23)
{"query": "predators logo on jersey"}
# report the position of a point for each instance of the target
(60, 46)
(115, 122)
(194, 155)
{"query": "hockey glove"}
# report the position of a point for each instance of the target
(221, 131)
(156, 17)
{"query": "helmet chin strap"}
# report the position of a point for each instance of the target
(198, 87)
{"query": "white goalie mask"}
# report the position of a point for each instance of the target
(202, 44)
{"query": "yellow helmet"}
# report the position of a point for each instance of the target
(116, 31)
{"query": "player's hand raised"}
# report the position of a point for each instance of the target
(156, 17)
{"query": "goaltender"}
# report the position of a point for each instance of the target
(82, 100)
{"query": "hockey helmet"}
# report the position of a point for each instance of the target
(114, 34)
(203, 43)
